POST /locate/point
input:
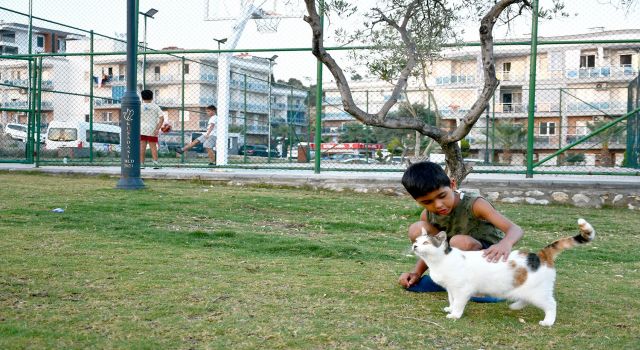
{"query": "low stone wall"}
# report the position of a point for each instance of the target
(583, 194)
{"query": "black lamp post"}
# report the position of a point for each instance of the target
(130, 111)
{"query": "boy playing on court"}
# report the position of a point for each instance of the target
(470, 221)
(208, 139)
(151, 119)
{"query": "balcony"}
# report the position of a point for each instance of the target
(510, 108)
(24, 105)
(597, 107)
(455, 80)
(23, 83)
(506, 75)
(106, 103)
(337, 116)
(626, 72)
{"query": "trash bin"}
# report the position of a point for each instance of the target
(302, 154)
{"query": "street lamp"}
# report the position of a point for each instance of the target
(220, 41)
(271, 63)
(152, 12)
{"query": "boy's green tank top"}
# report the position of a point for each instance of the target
(461, 221)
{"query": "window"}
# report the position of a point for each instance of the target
(186, 68)
(9, 37)
(548, 128)
(156, 72)
(107, 116)
(40, 41)
(625, 60)
(63, 134)
(62, 45)
(109, 137)
(110, 72)
(8, 50)
(587, 61)
(506, 68)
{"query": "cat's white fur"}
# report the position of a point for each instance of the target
(465, 273)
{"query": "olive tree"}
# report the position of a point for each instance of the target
(408, 34)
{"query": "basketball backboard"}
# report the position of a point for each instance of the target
(228, 10)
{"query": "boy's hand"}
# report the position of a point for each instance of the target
(497, 251)
(408, 279)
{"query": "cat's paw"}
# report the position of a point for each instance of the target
(454, 316)
(447, 309)
(518, 305)
(546, 323)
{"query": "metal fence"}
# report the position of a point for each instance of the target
(61, 89)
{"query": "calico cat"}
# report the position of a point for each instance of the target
(525, 278)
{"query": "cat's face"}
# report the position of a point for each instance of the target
(428, 245)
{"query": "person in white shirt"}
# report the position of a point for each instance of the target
(151, 119)
(208, 139)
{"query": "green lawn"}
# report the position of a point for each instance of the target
(190, 265)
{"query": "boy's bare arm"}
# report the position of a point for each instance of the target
(408, 279)
(513, 233)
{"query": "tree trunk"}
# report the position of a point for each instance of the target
(417, 149)
(605, 155)
(456, 169)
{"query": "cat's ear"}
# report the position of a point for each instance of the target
(437, 240)
(424, 231)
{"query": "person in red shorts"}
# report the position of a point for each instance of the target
(151, 119)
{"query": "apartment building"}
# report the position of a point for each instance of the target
(14, 73)
(163, 74)
(577, 85)
(369, 95)
(255, 103)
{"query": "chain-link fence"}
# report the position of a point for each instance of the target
(61, 104)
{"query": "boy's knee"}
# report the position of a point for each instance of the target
(415, 230)
(464, 242)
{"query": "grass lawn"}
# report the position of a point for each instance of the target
(190, 265)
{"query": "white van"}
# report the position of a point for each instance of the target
(77, 134)
(18, 132)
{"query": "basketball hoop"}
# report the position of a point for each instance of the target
(268, 24)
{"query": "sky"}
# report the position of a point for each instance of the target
(182, 24)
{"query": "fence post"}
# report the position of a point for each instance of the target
(318, 136)
(91, 96)
(182, 70)
(38, 120)
(532, 87)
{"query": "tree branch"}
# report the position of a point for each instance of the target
(489, 69)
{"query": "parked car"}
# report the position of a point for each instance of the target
(19, 132)
(169, 142)
(358, 160)
(258, 151)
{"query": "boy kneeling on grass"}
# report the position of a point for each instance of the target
(470, 221)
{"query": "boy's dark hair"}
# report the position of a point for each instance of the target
(424, 177)
(212, 107)
(146, 95)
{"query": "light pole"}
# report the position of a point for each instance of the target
(152, 12)
(271, 62)
(220, 41)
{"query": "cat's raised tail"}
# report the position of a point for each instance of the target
(549, 253)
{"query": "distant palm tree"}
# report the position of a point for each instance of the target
(605, 137)
(508, 136)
